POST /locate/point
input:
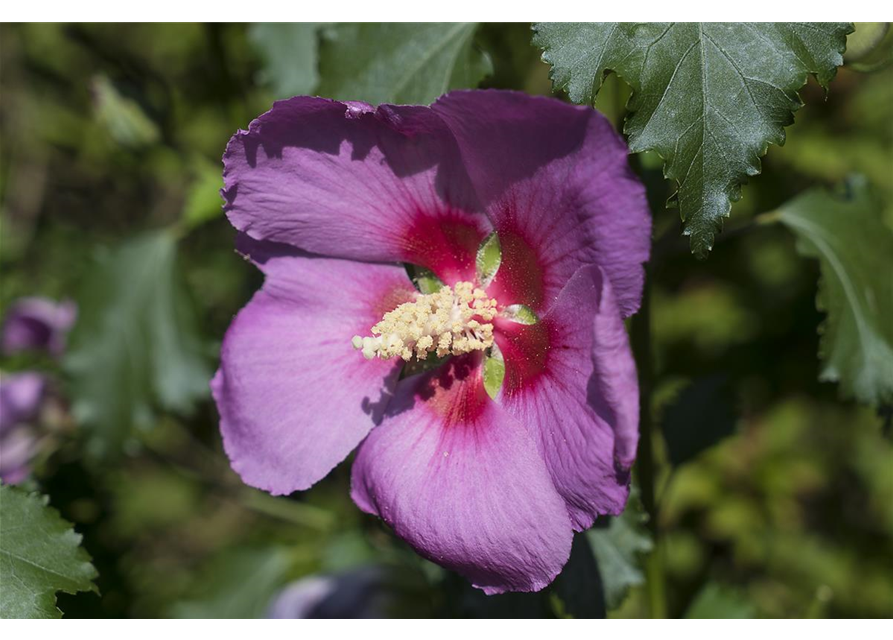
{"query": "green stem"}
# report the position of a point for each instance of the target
(297, 513)
(641, 342)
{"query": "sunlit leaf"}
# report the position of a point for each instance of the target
(494, 371)
(864, 39)
(40, 554)
(488, 259)
(403, 63)
(522, 314)
(870, 47)
(855, 251)
(424, 279)
(708, 97)
(135, 346)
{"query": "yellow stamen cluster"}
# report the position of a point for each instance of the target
(452, 321)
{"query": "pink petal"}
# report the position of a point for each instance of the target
(463, 483)
(294, 396)
(571, 380)
(555, 182)
(350, 182)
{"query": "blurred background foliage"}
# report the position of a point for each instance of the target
(775, 495)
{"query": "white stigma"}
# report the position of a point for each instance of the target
(452, 321)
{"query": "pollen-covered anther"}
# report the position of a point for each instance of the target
(453, 321)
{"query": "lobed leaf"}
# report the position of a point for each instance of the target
(135, 345)
(40, 554)
(855, 252)
(708, 97)
(617, 543)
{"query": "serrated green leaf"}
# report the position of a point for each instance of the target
(40, 554)
(401, 63)
(135, 345)
(708, 97)
(494, 371)
(290, 56)
(855, 251)
(617, 543)
(488, 259)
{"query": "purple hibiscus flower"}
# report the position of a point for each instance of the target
(332, 200)
(37, 323)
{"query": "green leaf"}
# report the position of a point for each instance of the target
(699, 417)
(708, 97)
(870, 47)
(289, 51)
(522, 314)
(135, 345)
(40, 554)
(717, 602)
(402, 63)
(122, 117)
(489, 257)
(242, 584)
(855, 252)
(494, 371)
(617, 543)
(864, 39)
(424, 279)
(203, 201)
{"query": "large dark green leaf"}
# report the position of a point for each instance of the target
(855, 251)
(403, 63)
(40, 554)
(708, 97)
(618, 544)
(135, 345)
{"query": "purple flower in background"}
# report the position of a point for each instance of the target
(30, 324)
(332, 200)
(37, 323)
(360, 593)
(21, 397)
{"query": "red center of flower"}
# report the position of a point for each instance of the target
(446, 245)
(520, 277)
